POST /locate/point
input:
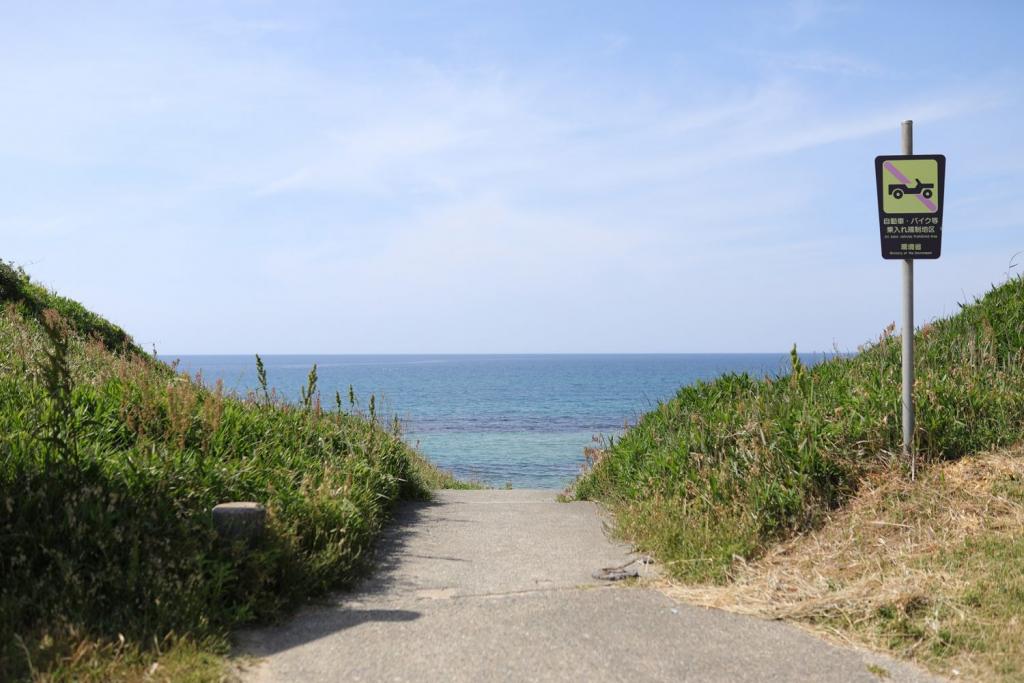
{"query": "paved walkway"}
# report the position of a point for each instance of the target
(498, 585)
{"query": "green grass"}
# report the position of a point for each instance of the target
(995, 596)
(729, 467)
(980, 626)
(110, 463)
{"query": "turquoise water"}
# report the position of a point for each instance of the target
(519, 420)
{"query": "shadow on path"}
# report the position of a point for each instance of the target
(335, 612)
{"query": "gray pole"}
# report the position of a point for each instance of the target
(907, 147)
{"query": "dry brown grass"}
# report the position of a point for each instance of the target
(918, 569)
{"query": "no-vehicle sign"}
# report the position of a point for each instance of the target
(910, 193)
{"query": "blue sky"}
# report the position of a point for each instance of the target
(224, 177)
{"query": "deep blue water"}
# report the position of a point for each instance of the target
(508, 419)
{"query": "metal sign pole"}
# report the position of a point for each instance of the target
(907, 147)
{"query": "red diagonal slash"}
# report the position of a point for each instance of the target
(929, 204)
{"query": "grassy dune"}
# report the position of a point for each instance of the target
(787, 497)
(109, 465)
(729, 467)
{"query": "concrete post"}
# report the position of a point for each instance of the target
(239, 521)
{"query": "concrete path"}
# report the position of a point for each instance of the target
(498, 585)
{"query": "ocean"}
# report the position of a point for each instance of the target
(503, 420)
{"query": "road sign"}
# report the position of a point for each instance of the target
(911, 189)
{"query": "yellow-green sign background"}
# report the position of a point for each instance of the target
(927, 170)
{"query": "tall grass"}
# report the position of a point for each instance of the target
(110, 463)
(729, 466)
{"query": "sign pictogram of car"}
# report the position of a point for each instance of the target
(897, 190)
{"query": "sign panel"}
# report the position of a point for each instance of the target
(911, 189)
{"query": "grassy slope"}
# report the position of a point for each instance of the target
(16, 287)
(109, 466)
(727, 470)
(729, 467)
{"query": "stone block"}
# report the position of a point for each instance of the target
(242, 521)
